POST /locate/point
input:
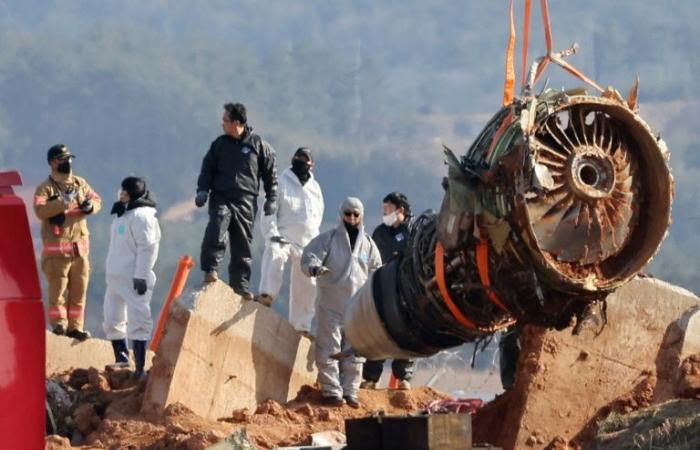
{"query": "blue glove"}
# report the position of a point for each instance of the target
(201, 198)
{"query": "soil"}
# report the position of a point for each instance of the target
(689, 382)
(499, 422)
(275, 425)
(106, 414)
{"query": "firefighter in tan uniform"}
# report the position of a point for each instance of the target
(62, 203)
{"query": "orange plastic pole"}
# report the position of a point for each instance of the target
(393, 382)
(181, 273)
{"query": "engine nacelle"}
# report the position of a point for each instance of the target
(560, 200)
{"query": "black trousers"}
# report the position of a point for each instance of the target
(509, 351)
(401, 368)
(230, 222)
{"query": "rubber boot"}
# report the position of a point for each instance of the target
(139, 357)
(121, 352)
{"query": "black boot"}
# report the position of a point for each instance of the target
(79, 335)
(121, 352)
(139, 357)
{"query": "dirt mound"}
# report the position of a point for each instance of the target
(105, 413)
(273, 424)
(488, 421)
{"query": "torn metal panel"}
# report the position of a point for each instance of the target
(562, 198)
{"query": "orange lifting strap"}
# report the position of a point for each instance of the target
(482, 262)
(509, 85)
(482, 265)
(440, 278)
(526, 40)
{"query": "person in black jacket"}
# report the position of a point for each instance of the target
(232, 170)
(391, 238)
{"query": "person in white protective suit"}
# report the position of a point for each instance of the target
(296, 222)
(133, 250)
(342, 260)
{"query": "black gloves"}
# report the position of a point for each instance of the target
(140, 286)
(270, 207)
(86, 206)
(279, 239)
(316, 271)
(201, 198)
(58, 219)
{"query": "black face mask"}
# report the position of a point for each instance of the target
(64, 167)
(301, 169)
(118, 208)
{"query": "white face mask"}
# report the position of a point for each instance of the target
(390, 219)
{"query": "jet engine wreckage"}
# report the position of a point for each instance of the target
(561, 199)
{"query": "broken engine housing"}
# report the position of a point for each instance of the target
(560, 200)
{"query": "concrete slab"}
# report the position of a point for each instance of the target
(63, 353)
(219, 353)
(564, 381)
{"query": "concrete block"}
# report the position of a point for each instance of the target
(63, 353)
(219, 353)
(681, 340)
(564, 381)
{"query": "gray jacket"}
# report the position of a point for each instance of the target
(349, 269)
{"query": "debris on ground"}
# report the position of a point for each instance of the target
(102, 409)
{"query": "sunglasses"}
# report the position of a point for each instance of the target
(351, 213)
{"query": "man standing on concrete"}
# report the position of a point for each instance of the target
(391, 238)
(62, 203)
(296, 222)
(230, 177)
(133, 250)
(342, 259)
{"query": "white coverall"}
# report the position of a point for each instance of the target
(297, 220)
(349, 269)
(133, 250)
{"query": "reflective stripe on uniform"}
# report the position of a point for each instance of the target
(73, 212)
(57, 312)
(66, 248)
(75, 312)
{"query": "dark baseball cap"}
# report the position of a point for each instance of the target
(59, 151)
(303, 151)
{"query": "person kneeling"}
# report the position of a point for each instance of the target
(133, 250)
